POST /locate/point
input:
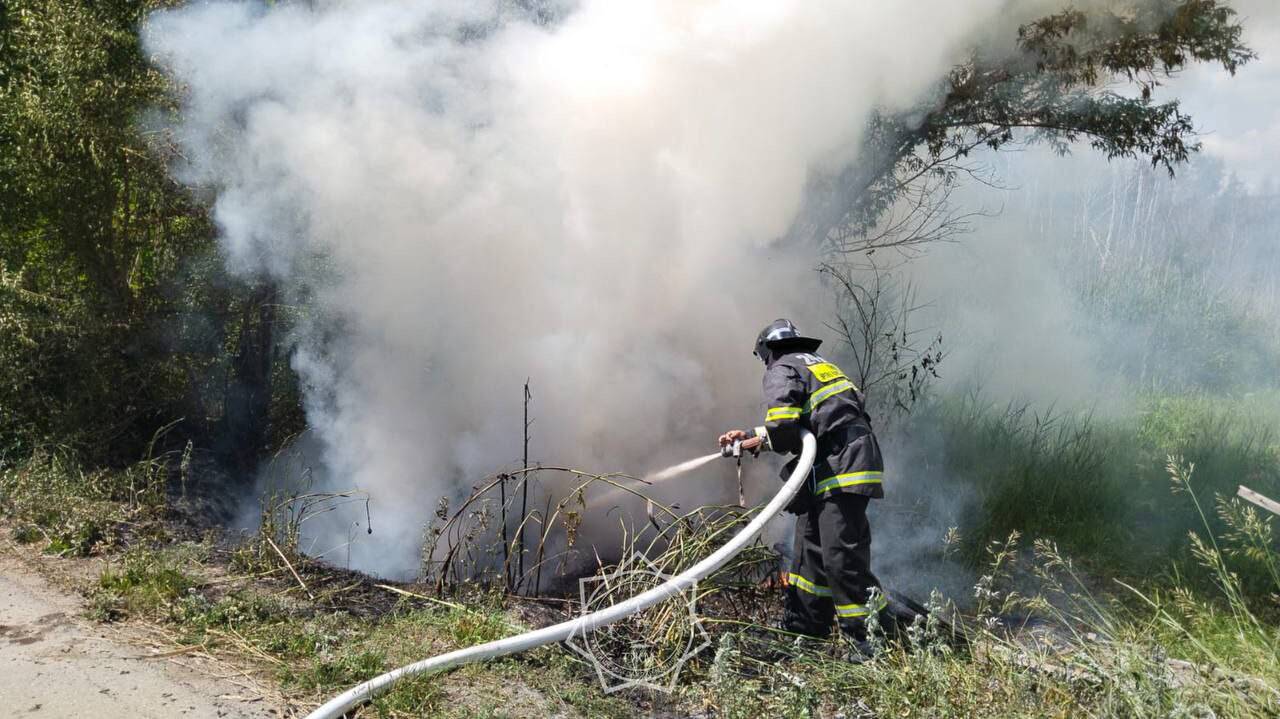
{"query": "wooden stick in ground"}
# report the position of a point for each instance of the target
(292, 571)
(1253, 497)
(524, 487)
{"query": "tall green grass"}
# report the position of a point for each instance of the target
(1198, 647)
(1096, 486)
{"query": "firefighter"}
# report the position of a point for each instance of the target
(830, 579)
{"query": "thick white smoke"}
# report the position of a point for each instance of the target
(466, 198)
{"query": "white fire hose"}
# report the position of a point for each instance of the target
(339, 705)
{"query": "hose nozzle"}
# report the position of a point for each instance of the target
(732, 451)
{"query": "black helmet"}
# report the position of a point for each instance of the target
(783, 334)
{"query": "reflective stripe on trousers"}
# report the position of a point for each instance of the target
(803, 584)
(861, 610)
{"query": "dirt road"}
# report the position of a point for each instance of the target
(54, 663)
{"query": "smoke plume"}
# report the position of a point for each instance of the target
(462, 195)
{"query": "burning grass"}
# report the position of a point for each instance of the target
(1039, 635)
(1059, 650)
(1083, 654)
(1061, 647)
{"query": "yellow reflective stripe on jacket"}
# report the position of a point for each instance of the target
(800, 582)
(827, 392)
(778, 414)
(861, 610)
(849, 480)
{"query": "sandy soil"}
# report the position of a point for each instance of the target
(55, 663)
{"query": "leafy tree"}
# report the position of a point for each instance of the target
(1075, 76)
(115, 314)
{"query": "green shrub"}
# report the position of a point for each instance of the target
(145, 583)
(51, 498)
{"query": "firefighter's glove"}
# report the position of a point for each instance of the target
(765, 445)
(753, 441)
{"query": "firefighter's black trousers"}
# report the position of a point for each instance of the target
(831, 577)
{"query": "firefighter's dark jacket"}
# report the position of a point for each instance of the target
(801, 389)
